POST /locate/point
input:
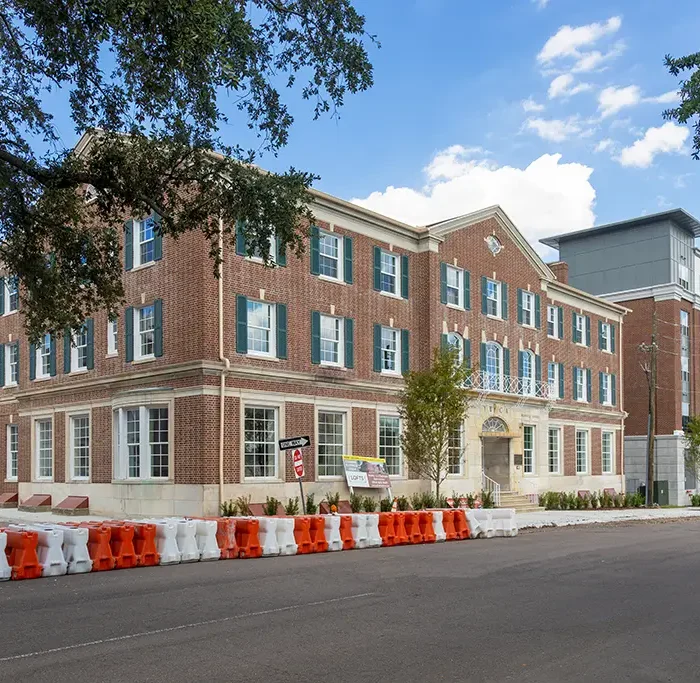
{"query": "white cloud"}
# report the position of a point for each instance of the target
(667, 139)
(563, 86)
(529, 105)
(541, 4)
(567, 41)
(545, 197)
(611, 100)
(590, 61)
(663, 203)
(604, 145)
(554, 130)
(666, 98)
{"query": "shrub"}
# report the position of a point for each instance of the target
(355, 502)
(594, 500)
(694, 499)
(442, 501)
(292, 506)
(486, 499)
(243, 505)
(580, 502)
(471, 499)
(229, 508)
(429, 500)
(416, 501)
(333, 499)
(385, 505)
(311, 506)
(369, 504)
(638, 500)
(402, 503)
(619, 500)
(270, 506)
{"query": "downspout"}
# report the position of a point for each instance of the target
(622, 403)
(224, 360)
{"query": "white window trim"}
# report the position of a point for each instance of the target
(462, 459)
(280, 464)
(460, 305)
(120, 455)
(8, 370)
(397, 371)
(534, 451)
(583, 394)
(112, 338)
(272, 353)
(556, 322)
(136, 244)
(341, 341)
(529, 296)
(402, 462)
(341, 256)
(555, 390)
(500, 376)
(607, 399)
(584, 337)
(136, 327)
(499, 299)
(347, 436)
(70, 442)
(273, 252)
(560, 438)
(588, 450)
(612, 451)
(396, 294)
(39, 366)
(607, 339)
(35, 447)
(531, 378)
(459, 345)
(6, 298)
(74, 369)
(8, 475)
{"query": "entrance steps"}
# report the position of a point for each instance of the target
(518, 501)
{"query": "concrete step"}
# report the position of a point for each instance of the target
(518, 502)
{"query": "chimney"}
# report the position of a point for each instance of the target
(560, 270)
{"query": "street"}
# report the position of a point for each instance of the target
(584, 604)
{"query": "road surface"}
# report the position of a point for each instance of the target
(565, 605)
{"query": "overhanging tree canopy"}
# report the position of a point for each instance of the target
(689, 107)
(158, 79)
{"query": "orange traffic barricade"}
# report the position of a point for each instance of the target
(425, 520)
(248, 538)
(448, 522)
(317, 531)
(400, 535)
(302, 535)
(122, 544)
(346, 532)
(386, 528)
(411, 521)
(98, 546)
(461, 526)
(226, 537)
(21, 554)
(145, 545)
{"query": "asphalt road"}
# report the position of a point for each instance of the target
(566, 605)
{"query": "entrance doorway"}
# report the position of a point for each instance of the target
(495, 453)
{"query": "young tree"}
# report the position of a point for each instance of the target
(432, 405)
(692, 447)
(690, 95)
(157, 80)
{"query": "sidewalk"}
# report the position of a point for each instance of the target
(15, 516)
(538, 520)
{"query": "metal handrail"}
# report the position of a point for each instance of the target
(493, 487)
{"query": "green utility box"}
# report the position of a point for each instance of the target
(661, 492)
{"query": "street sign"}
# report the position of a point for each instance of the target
(298, 462)
(295, 442)
(451, 502)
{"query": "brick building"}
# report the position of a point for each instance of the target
(180, 401)
(651, 266)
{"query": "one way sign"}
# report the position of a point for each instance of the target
(295, 442)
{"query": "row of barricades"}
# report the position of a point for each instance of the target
(29, 551)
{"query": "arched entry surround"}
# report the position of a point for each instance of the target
(495, 451)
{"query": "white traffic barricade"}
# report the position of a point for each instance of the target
(332, 529)
(267, 534)
(438, 527)
(5, 570)
(285, 536)
(480, 523)
(186, 537)
(504, 523)
(206, 539)
(75, 548)
(359, 530)
(374, 539)
(166, 540)
(49, 548)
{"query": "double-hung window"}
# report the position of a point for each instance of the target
(80, 446)
(493, 376)
(553, 322)
(261, 328)
(528, 373)
(260, 432)
(331, 340)
(10, 294)
(455, 451)
(145, 339)
(554, 450)
(454, 283)
(390, 443)
(11, 364)
(528, 304)
(582, 451)
(528, 449)
(553, 379)
(112, 338)
(43, 445)
(493, 298)
(606, 397)
(581, 385)
(143, 443)
(580, 330)
(456, 343)
(606, 337)
(146, 241)
(330, 256)
(43, 357)
(389, 273)
(79, 350)
(608, 452)
(391, 352)
(12, 451)
(331, 443)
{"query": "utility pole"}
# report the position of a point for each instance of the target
(650, 371)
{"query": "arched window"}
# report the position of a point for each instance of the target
(493, 425)
(528, 372)
(493, 372)
(455, 341)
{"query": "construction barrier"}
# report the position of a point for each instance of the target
(145, 544)
(166, 541)
(99, 547)
(122, 544)
(438, 528)
(425, 521)
(400, 535)
(205, 534)
(226, 537)
(317, 530)
(412, 524)
(302, 535)
(49, 548)
(460, 522)
(504, 523)
(268, 536)
(5, 570)
(346, 534)
(448, 522)
(186, 537)
(285, 536)
(332, 530)
(21, 552)
(359, 530)
(374, 539)
(386, 528)
(248, 538)
(480, 523)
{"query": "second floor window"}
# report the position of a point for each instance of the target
(79, 350)
(10, 295)
(553, 317)
(261, 326)
(11, 364)
(331, 340)
(581, 331)
(553, 379)
(390, 350)
(145, 345)
(329, 256)
(493, 298)
(582, 385)
(455, 288)
(606, 337)
(43, 365)
(607, 389)
(112, 338)
(389, 273)
(528, 304)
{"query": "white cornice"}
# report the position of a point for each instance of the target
(565, 294)
(666, 292)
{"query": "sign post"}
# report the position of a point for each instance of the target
(295, 445)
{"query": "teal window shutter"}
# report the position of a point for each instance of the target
(377, 269)
(377, 355)
(506, 362)
(404, 276)
(2, 365)
(90, 343)
(601, 397)
(157, 238)
(443, 283)
(241, 324)
(589, 396)
(538, 322)
(280, 255)
(129, 244)
(349, 343)
(575, 384)
(405, 355)
(467, 290)
(613, 387)
(600, 334)
(315, 256)
(574, 331)
(482, 357)
(520, 306)
(282, 331)
(52, 356)
(467, 344)
(520, 364)
(129, 334)
(612, 337)
(484, 299)
(2, 296)
(315, 337)
(67, 342)
(561, 380)
(158, 328)
(588, 331)
(347, 259)
(32, 361)
(240, 238)
(538, 368)
(504, 301)
(560, 320)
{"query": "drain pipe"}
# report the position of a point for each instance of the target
(224, 360)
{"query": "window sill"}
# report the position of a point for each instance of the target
(456, 476)
(78, 371)
(549, 336)
(262, 356)
(142, 266)
(456, 307)
(330, 477)
(142, 482)
(332, 366)
(610, 353)
(43, 378)
(263, 480)
(43, 480)
(257, 259)
(391, 295)
(389, 373)
(5, 315)
(582, 400)
(328, 278)
(11, 385)
(141, 361)
(529, 327)
(11, 480)
(114, 354)
(79, 480)
(494, 317)
(581, 344)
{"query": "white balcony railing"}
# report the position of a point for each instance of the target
(485, 382)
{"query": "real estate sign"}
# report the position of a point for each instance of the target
(362, 472)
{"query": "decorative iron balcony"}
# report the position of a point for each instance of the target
(485, 382)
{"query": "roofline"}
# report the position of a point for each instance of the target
(680, 216)
(589, 297)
